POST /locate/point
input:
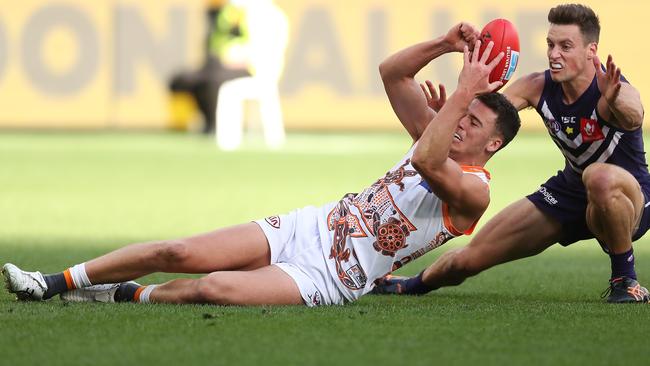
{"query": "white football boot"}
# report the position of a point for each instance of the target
(95, 293)
(28, 286)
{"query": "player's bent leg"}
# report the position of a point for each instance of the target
(520, 230)
(264, 286)
(615, 205)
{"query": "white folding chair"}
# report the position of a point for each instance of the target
(268, 32)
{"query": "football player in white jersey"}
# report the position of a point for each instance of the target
(305, 257)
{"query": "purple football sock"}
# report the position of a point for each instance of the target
(623, 264)
(415, 286)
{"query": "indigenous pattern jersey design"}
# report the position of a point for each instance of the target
(584, 137)
(391, 223)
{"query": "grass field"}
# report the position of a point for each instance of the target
(66, 197)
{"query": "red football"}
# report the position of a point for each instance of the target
(505, 38)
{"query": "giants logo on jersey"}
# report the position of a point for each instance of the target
(273, 221)
(590, 130)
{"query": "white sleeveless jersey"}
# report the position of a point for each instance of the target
(391, 223)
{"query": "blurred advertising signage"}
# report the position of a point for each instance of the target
(93, 64)
(107, 63)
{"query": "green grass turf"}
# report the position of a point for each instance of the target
(66, 197)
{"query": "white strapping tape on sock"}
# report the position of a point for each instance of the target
(144, 296)
(79, 276)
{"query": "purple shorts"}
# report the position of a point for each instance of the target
(564, 198)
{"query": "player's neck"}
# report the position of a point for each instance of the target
(574, 88)
(469, 160)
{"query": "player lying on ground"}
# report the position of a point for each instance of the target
(334, 253)
(594, 116)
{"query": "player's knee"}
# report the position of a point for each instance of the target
(600, 182)
(214, 289)
(170, 253)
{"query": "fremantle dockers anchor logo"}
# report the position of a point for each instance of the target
(590, 130)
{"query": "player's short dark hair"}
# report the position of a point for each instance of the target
(580, 15)
(508, 122)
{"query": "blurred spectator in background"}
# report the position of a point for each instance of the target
(225, 58)
(268, 32)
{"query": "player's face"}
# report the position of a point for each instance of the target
(475, 134)
(568, 55)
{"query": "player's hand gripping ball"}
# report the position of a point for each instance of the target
(505, 38)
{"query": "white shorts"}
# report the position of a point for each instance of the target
(296, 249)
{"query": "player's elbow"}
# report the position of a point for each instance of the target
(628, 109)
(384, 70)
(388, 70)
(419, 163)
(424, 162)
(633, 122)
(637, 119)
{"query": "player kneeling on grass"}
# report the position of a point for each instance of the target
(330, 254)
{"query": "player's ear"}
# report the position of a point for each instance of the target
(494, 143)
(592, 50)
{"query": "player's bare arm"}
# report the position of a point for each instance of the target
(398, 71)
(526, 90)
(620, 103)
(465, 194)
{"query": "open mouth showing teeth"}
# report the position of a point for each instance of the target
(457, 137)
(556, 66)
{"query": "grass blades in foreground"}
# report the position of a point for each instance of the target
(67, 197)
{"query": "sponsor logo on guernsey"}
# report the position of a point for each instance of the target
(566, 120)
(548, 197)
(273, 221)
(590, 130)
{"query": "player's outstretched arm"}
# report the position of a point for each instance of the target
(406, 96)
(464, 194)
(526, 90)
(620, 103)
